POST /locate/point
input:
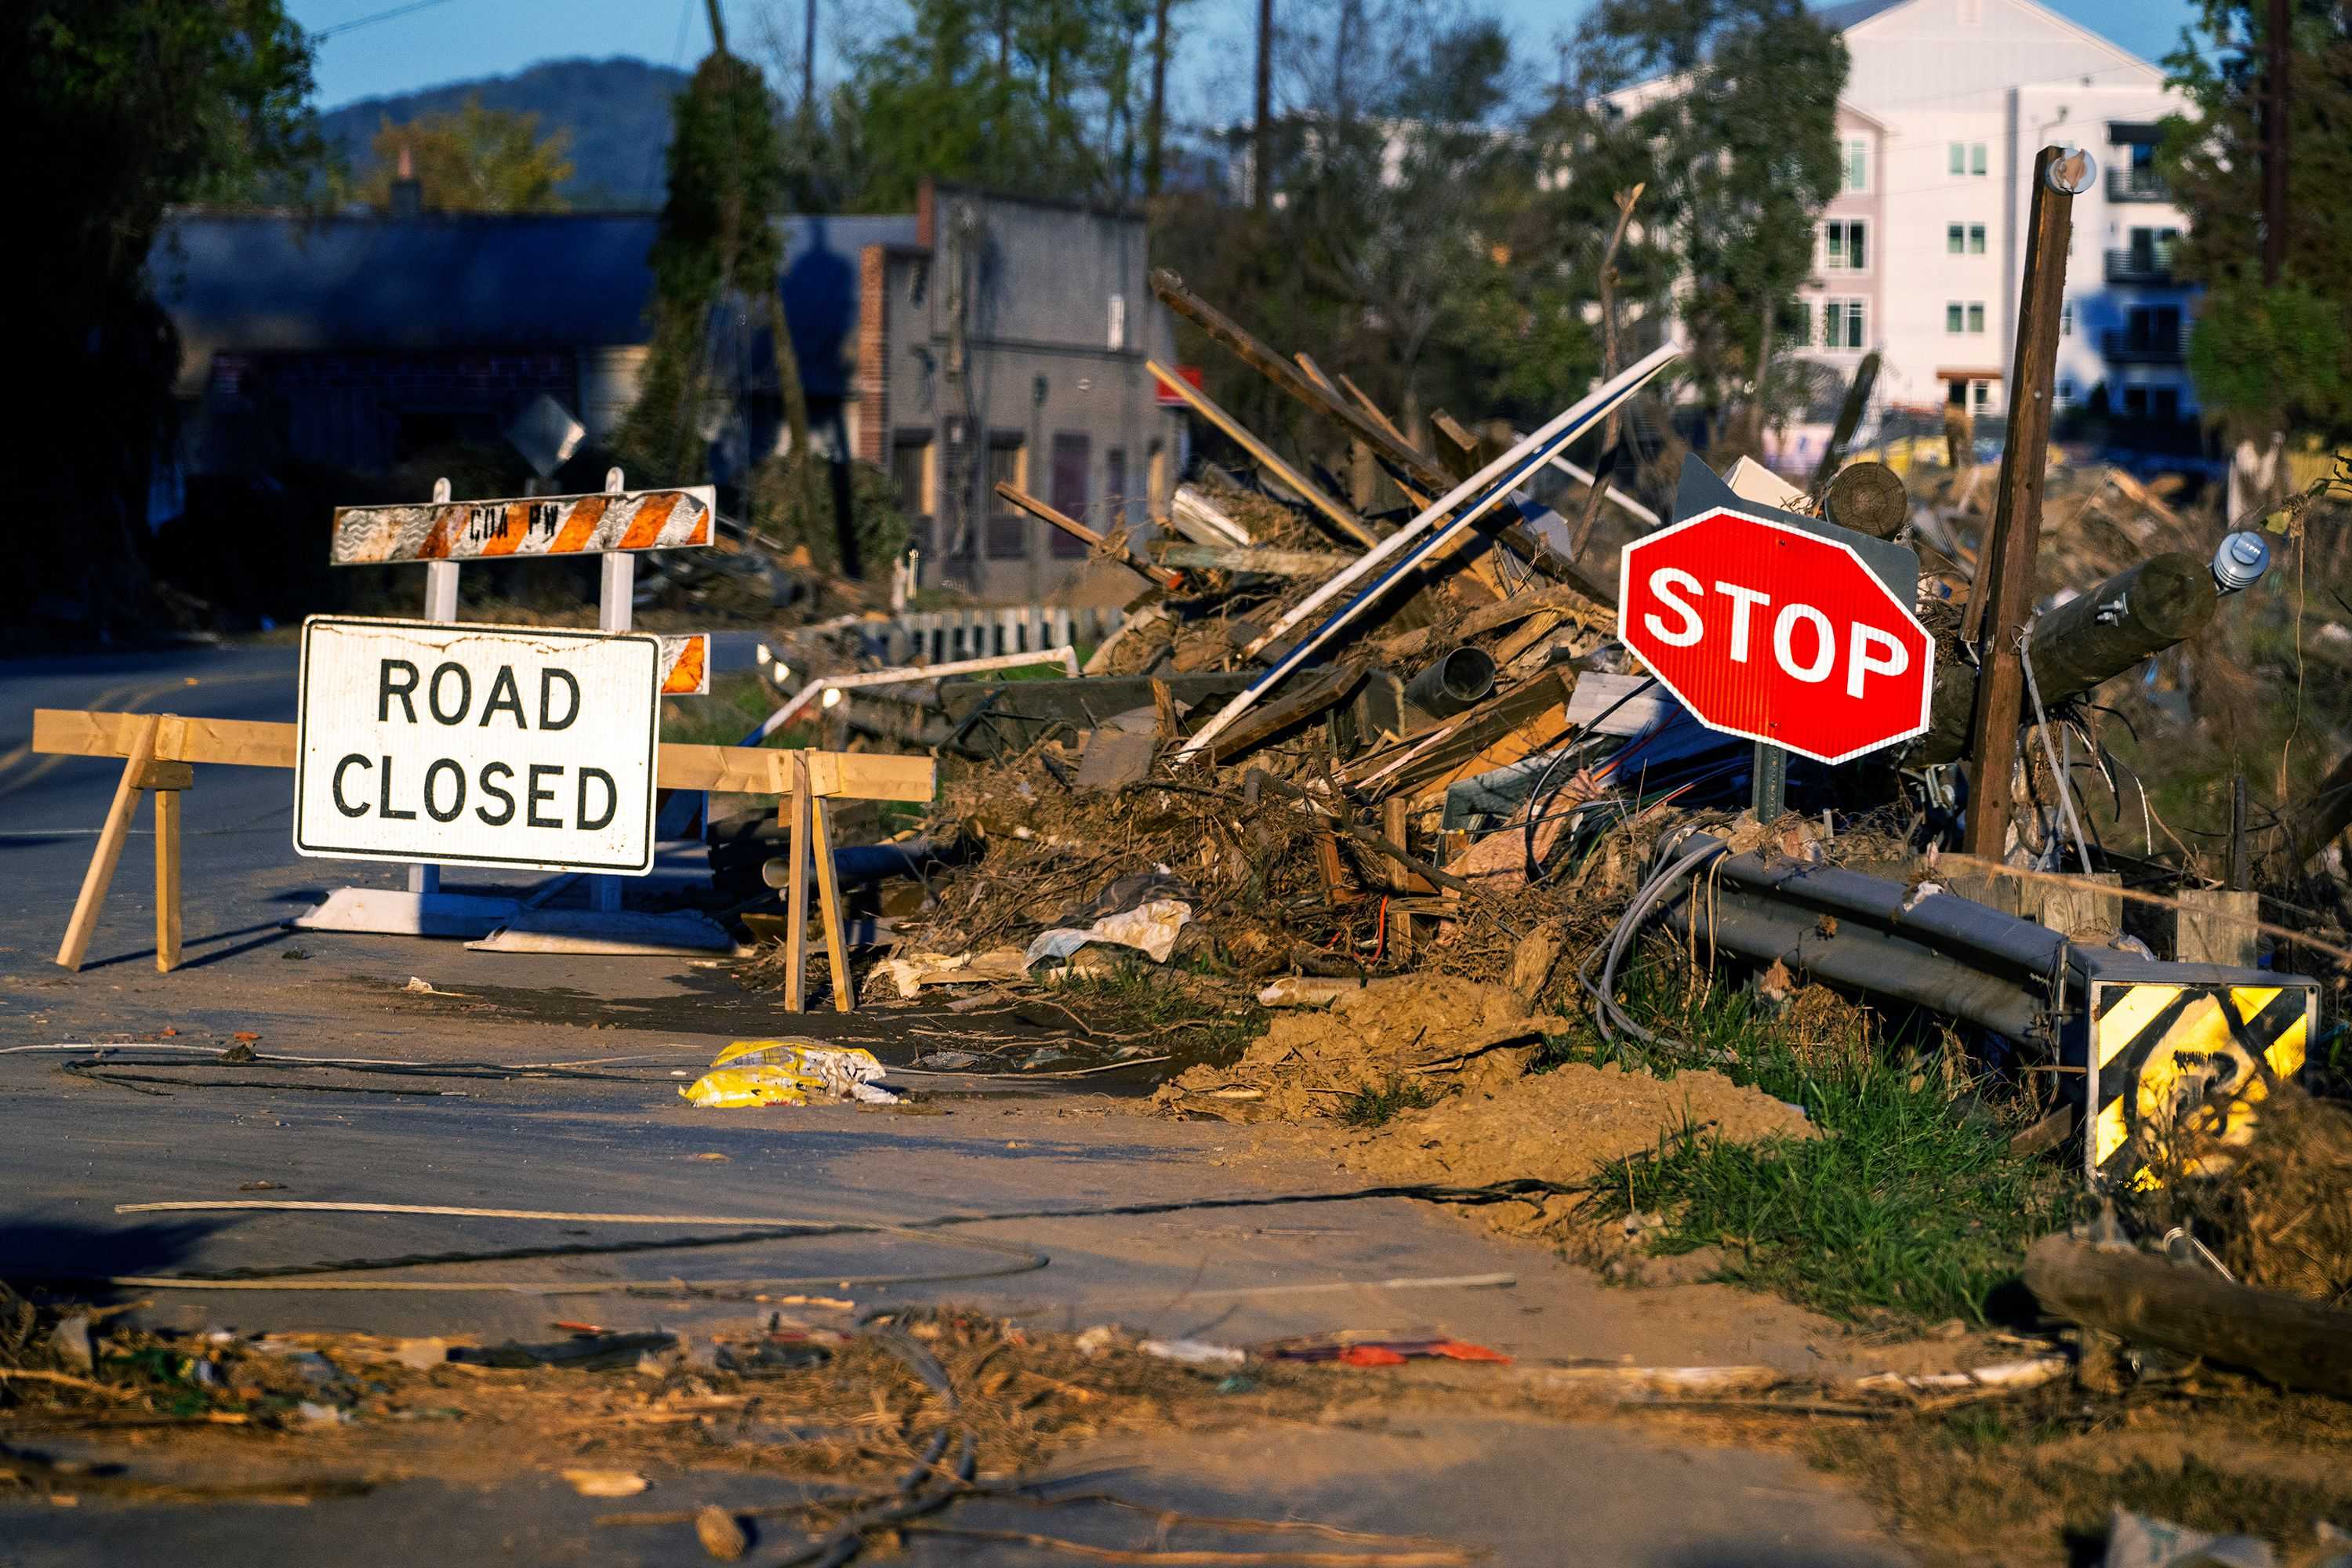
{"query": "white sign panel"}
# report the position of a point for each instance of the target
(499, 746)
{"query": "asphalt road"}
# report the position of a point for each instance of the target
(72, 1149)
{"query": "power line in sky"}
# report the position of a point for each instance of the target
(323, 34)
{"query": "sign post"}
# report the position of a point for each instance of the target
(1782, 629)
(441, 534)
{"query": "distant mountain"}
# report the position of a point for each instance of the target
(617, 112)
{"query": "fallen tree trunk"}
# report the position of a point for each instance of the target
(2149, 1300)
(2090, 639)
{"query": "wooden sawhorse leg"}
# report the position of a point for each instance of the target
(810, 837)
(103, 861)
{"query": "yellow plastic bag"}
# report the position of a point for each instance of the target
(787, 1072)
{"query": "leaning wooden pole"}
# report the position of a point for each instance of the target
(2002, 601)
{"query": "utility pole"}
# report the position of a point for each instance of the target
(2000, 602)
(808, 66)
(1261, 149)
(718, 27)
(1155, 113)
(2275, 95)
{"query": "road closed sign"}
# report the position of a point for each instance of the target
(1777, 633)
(496, 746)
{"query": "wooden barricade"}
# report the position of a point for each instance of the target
(159, 750)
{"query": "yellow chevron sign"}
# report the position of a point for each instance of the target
(2174, 1065)
(526, 526)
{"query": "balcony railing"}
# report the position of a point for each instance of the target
(2136, 185)
(2141, 348)
(2137, 264)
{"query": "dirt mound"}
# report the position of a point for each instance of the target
(1434, 1032)
(1562, 1126)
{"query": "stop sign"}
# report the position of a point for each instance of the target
(1767, 630)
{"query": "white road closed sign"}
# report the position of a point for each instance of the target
(498, 746)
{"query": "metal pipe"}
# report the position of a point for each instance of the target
(1067, 658)
(1457, 679)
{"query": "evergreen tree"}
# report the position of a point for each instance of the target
(2265, 356)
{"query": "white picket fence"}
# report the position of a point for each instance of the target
(934, 636)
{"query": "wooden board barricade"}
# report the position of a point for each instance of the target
(160, 750)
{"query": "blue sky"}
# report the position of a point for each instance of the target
(451, 40)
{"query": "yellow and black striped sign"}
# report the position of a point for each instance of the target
(2176, 1065)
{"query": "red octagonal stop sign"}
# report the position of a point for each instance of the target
(1767, 631)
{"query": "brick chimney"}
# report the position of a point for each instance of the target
(407, 190)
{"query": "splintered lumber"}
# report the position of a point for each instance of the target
(1341, 518)
(1499, 731)
(1405, 550)
(1080, 531)
(1569, 602)
(731, 770)
(2151, 1301)
(1379, 435)
(1203, 520)
(1309, 564)
(1315, 693)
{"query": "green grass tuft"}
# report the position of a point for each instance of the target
(1376, 1106)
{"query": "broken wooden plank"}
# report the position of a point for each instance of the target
(1340, 517)
(1119, 551)
(1317, 693)
(1414, 763)
(1203, 520)
(1308, 563)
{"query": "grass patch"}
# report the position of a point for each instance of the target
(2034, 1480)
(1133, 999)
(1377, 1106)
(1909, 1204)
(737, 702)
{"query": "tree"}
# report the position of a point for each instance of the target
(1748, 156)
(475, 159)
(141, 104)
(2266, 355)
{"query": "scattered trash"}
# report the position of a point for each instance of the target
(1194, 1353)
(323, 1415)
(1362, 1350)
(720, 1533)
(606, 1483)
(1093, 1342)
(1151, 927)
(787, 1072)
(418, 985)
(911, 974)
(2135, 1541)
(71, 1340)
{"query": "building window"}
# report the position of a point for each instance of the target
(1956, 238)
(1953, 314)
(2065, 396)
(1846, 245)
(1976, 238)
(2066, 320)
(1857, 164)
(1964, 316)
(2136, 402)
(1008, 531)
(1979, 395)
(1843, 324)
(1073, 457)
(1797, 325)
(911, 475)
(1114, 489)
(1967, 158)
(1976, 315)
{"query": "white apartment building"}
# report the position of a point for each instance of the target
(1921, 253)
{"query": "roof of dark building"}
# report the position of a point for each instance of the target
(274, 282)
